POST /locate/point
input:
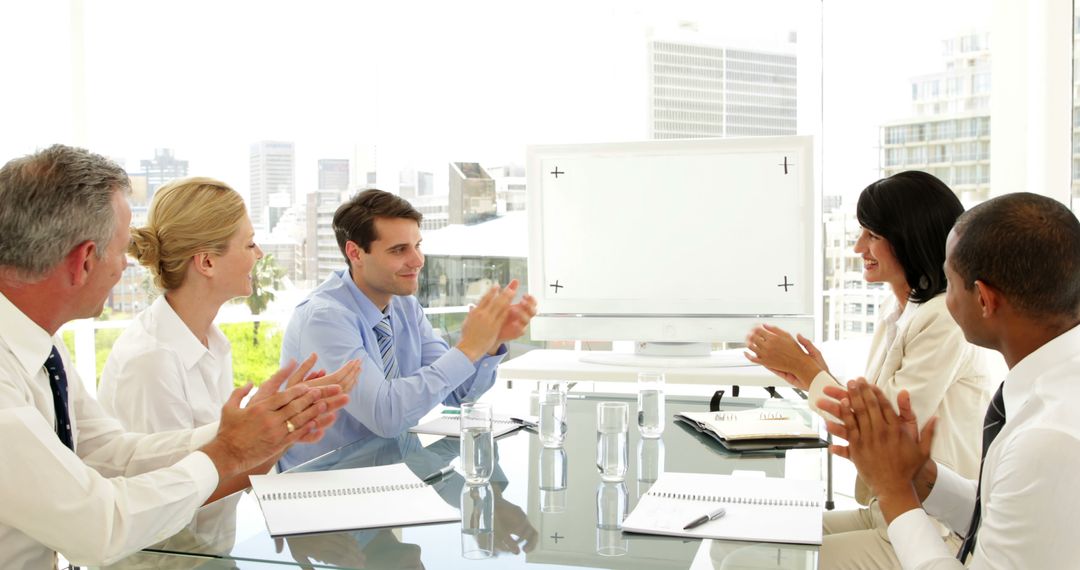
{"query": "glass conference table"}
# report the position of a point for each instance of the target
(551, 509)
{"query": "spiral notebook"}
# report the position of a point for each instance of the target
(348, 499)
(757, 509)
(449, 425)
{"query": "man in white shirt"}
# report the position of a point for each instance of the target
(71, 479)
(1013, 265)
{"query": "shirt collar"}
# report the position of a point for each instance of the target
(1019, 380)
(371, 314)
(29, 343)
(171, 330)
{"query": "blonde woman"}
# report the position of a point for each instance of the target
(172, 368)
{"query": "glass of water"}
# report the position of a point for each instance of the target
(650, 402)
(612, 455)
(552, 428)
(477, 444)
(477, 522)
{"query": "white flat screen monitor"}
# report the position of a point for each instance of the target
(672, 240)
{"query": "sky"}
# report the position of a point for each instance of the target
(427, 82)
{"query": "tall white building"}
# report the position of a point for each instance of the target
(321, 253)
(273, 181)
(949, 134)
(703, 89)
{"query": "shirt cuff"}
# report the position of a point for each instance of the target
(455, 365)
(202, 472)
(489, 360)
(202, 435)
(817, 392)
(916, 539)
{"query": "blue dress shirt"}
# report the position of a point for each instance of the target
(337, 322)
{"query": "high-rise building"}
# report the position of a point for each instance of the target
(333, 174)
(161, 169)
(949, 134)
(699, 89)
(414, 183)
(273, 181)
(322, 254)
(472, 194)
(509, 187)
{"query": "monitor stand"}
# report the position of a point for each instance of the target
(662, 355)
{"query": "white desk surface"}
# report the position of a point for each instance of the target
(565, 365)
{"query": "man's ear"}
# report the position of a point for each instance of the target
(80, 263)
(355, 253)
(990, 299)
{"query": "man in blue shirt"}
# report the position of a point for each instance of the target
(368, 311)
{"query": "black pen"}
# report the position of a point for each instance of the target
(436, 475)
(524, 422)
(705, 518)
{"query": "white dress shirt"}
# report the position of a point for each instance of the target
(1029, 492)
(118, 492)
(159, 376)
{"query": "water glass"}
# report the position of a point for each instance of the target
(611, 501)
(477, 444)
(650, 404)
(612, 453)
(552, 428)
(553, 471)
(477, 522)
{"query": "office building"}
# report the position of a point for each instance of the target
(161, 169)
(472, 194)
(273, 181)
(321, 253)
(413, 183)
(703, 89)
(509, 187)
(949, 134)
(333, 174)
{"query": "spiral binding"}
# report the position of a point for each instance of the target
(493, 420)
(763, 501)
(735, 416)
(317, 494)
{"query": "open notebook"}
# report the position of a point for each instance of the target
(757, 509)
(754, 429)
(449, 425)
(348, 499)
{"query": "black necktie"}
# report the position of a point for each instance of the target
(992, 424)
(58, 383)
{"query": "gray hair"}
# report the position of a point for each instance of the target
(51, 201)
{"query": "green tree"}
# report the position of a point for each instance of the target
(265, 279)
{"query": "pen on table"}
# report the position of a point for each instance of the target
(436, 475)
(524, 422)
(705, 518)
(451, 412)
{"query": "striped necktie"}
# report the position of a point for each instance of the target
(385, 335)
(992, 424)
(54, 366)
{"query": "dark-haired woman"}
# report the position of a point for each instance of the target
(916, 347)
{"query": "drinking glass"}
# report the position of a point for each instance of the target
(612, 453)
(477, 522)
(552, 428)
(477, 444)
(650, 463)
(611, 501)
(650, 404)
(553, 480)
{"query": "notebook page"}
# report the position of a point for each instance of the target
(758, 509)
(346, 499)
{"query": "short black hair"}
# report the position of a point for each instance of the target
(355, 220)
(914, 211)
(1026, 246)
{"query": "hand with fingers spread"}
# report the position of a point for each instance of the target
(797, 361)
(480, 331)
(513, 532)
(272, 421)
(345, 377)
(888, 450)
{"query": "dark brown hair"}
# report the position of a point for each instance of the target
(355, 220)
